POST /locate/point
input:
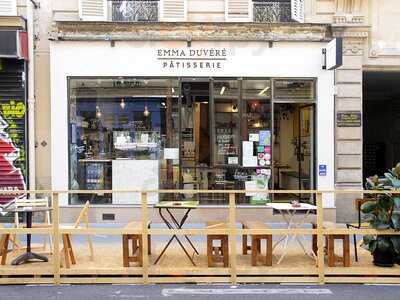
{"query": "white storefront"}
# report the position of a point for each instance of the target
(202, 59)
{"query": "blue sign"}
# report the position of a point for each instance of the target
(322, 170)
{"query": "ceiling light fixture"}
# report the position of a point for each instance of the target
(263, 91)
(146, 112)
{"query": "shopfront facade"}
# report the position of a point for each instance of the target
(209, 115)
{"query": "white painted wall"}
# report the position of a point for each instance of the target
(244, 59)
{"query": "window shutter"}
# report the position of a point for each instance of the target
(298, 10)
(8, 7)
(93, 10)
(238, 10)
(173, 10)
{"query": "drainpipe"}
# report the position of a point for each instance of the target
(31, 96)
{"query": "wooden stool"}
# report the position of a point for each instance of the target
(256, 240)
(217, 253)
(330, 246)
(137, 245)
(5, 238)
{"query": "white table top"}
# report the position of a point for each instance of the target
(288, 206)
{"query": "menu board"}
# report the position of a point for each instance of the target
(225, 144)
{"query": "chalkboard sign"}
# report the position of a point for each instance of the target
(224, 137)
(349, 119)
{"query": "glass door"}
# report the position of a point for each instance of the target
(293, 167)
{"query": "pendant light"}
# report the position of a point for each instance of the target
(122, 103)
(146, 111)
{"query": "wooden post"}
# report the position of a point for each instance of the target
(320, 240)
(145, 233)
(232, 237)
(56, 238)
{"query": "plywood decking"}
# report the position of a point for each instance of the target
(175, 268)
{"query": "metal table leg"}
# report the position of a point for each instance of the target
(28, 255)
(178, 226)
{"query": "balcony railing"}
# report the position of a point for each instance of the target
(135, 11)
(266, 11)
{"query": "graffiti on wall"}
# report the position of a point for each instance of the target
(12, 149)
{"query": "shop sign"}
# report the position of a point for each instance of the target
(12, 148)
(349, 119)
(190, 58)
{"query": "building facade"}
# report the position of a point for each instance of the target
(191, 74)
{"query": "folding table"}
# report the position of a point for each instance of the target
(173, 223)
(288, 213)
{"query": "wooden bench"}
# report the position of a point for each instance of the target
(330, 245)
(256, 240)
(137, 245)
(217, 253)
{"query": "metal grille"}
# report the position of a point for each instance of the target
(135, 11)
(272, 11)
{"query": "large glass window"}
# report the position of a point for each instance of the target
(193, 133)
(120, 126)
(293, 89)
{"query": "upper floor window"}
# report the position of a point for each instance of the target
(135, 11)
(268, 11)
(264, 11)
(8, 7)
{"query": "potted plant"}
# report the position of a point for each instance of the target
(383, 212)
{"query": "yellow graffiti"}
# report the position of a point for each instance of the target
(13, 109)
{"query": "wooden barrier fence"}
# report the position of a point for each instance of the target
(319, 274)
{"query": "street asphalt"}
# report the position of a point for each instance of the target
(218, 292)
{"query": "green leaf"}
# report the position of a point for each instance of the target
(394, 180)
(396, 202)
(384, 243)
(396, 170)
(385, 202)
(396, 243)
(396, 220)
(372, 246)
(368, 239)
(368, 207)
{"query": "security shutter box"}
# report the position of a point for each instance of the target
(8, 7)
(298, 10)
(173, 10)
(238, 10)
(93, 10)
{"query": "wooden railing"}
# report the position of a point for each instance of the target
(320, 273)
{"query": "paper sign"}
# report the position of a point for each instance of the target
(144, 138)
(247, 149)
(250, 161)
(234, 160)
(265, 137)
(171, 153)
(250, 186)
(264, 171)
(322, 170)
(254, 137)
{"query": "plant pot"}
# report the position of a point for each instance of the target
(383, 259)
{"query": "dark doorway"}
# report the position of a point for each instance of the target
(381, 122)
